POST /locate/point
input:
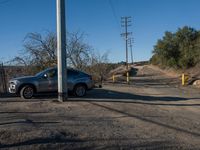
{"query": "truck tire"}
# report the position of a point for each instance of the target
(80, 90)
(27, 92)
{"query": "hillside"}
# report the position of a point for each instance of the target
(143, 69)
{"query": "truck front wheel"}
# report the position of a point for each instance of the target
(27, 92)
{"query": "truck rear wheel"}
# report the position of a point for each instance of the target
(80, 90)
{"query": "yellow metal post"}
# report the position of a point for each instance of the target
(127, 77)
(183, 79)
(113, 77)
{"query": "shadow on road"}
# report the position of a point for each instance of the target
(115, 95)
(40, 141)
(146, 119)
(104, 95)
(65, 142)
(27, 122)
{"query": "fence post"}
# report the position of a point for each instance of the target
(5, 80)
(3, 85)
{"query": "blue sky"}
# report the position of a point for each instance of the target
(150, 19)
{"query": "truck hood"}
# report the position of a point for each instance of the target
(25, 78)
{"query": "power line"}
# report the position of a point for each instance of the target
(114, 13)
(115, 16)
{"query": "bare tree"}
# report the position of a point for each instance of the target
(41, 52)
(78, 52)
(99, 66)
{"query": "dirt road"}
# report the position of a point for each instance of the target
(153, 112)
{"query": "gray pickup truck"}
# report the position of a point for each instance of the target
(46, 81)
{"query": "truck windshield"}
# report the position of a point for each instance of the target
(42, 72)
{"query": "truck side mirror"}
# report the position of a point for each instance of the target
(45, 76)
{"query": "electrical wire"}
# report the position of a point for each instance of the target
(115, 15)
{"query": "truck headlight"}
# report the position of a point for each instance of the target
(13, 84)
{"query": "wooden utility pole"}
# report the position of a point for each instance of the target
(131, 41)
(126, 22)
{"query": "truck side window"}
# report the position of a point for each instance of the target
(52, 73)
(72, 73)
